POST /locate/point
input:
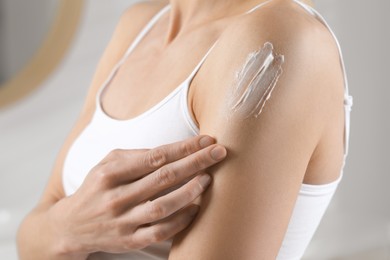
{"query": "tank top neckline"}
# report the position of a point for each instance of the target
(184, 84)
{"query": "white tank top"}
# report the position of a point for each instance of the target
(170, 121)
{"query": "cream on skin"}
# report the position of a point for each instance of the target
(255, 81)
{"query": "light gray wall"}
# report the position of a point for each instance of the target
(24, 25)
(359, 217)
(2, 32)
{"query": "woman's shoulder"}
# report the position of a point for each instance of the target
(131, 21)
(294, 33)
(311, 65)
(283, 22)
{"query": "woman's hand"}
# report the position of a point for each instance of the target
(113, 212)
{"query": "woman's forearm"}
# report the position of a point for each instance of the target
(36, 238)
(87, 221)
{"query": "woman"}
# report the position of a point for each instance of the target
(201, 67)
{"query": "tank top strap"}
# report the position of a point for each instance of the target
(185, 88)
(323, 21)
(257, 7)
(311, 10)
(348, 99)
(147, 28)
(197, 67)
(135, 42)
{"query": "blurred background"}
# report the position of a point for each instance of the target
(49, 50)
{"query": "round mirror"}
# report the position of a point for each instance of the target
(34, 37)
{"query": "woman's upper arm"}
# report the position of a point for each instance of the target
(129, 24)
(246, 210)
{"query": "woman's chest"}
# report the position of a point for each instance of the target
(144, 78)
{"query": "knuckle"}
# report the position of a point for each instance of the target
(110, 207)
(157, 234)
(198, 163)
(155, 158)
(114, 154)
(107, 173)
(103, 176)
(191, 193)
(165, 176)
(187, 148)
(139, 243)
(199, 188)
(155, 211)
(121, 228)
(136, 245)
(127, 243)
(136, 242)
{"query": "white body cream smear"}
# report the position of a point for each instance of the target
(255, 81)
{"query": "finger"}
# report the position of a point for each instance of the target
(122, 165)
(174, 173)
(166, 205)
(159, 156)
(144, 236)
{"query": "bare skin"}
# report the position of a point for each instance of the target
(119, 206)
(160, 54)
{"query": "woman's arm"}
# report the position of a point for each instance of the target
(246, 211)
(35, 225)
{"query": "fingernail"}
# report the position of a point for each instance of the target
(218, 153)
(205, 180)
(194, 210)
(206, 141)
